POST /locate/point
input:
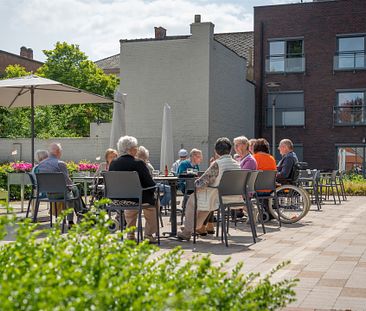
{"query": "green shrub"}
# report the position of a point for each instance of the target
(91, 269)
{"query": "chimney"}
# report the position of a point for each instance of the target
(30, 53)
(27, 53)
(23, 51)
(160, 33)
(202, 30)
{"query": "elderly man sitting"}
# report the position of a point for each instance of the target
(207, 198)
(286, 165)
(127, 147)
(53, 164)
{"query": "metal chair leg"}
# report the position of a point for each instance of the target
(260, 211)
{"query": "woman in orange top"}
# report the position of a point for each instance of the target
(264, 160)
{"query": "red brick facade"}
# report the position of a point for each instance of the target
(318, 23)
(7, 59)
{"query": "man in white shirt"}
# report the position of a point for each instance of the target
(183, 155)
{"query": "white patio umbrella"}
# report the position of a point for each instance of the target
(31, 91)
(166, 153)
(118, 128)
(342, 159)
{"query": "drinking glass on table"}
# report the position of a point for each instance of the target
(155, 173)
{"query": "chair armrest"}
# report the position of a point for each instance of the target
(150, 188)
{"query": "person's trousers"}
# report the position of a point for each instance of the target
(209, 219)
(149, 211)
(76, 204)
(189, 220)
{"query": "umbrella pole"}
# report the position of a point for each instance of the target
(32, 122)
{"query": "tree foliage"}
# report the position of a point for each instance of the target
(67, 64)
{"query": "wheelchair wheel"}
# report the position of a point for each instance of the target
(294, 204)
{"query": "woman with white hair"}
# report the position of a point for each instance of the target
(144, 155)
(128, 147)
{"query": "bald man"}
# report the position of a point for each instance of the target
(53, 164)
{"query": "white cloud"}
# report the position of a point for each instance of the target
(97, 25)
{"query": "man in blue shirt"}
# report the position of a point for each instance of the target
(195, 158)
(286, 165)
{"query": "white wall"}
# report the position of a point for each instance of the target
(74, 149)
(231, 96)
(168, 71)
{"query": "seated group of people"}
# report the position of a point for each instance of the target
(250, 154)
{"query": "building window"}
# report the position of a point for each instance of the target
(286, 56)
(289, 109)
(350, 53)
(352, 159)
(350, 108)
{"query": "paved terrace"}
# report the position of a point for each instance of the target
(327, 252)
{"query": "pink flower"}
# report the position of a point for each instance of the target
(21, 166)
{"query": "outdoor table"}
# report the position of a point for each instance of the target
(21, 179)
(172, 182)
(85, 180)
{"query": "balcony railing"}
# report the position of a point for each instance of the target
(286, 116)
(285, 63)
(349, 115)
(350, 60)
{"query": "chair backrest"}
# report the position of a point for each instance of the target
(251, 181)
(122, 185)
(334, 175)
(51, 182)
(190, 186)
(304, 174)
(266, 181)
(233, 182)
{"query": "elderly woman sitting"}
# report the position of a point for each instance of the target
(144, 155)
(109, 156)
(207, 198)
(127, 148)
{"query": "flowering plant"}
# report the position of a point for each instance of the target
(21, 167)
(91, 167)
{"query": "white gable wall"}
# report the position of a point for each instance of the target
(168, 71)
(231, 112)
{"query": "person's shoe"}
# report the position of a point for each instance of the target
(210, 228)
(183, 236)
(151, 239)
(201, 231)
(71, 224)
(131, 236)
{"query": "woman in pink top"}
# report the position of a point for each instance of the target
(246, 160)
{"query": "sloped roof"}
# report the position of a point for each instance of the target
(110, 62)
(240, 43)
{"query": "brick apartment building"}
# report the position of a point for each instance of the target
(315, 52)
(24, 59)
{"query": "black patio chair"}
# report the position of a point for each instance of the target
(265, 187)
(54, 185)
(124, 185)
(233, 184)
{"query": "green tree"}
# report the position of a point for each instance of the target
(15, 71)
(67, 64)
(15, 122)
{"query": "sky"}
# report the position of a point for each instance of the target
(98, 25)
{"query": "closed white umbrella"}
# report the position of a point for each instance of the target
(31, 91)
(166, 153)
(118, 128)
(342, 159)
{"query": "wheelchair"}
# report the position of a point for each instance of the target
(293, 201)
